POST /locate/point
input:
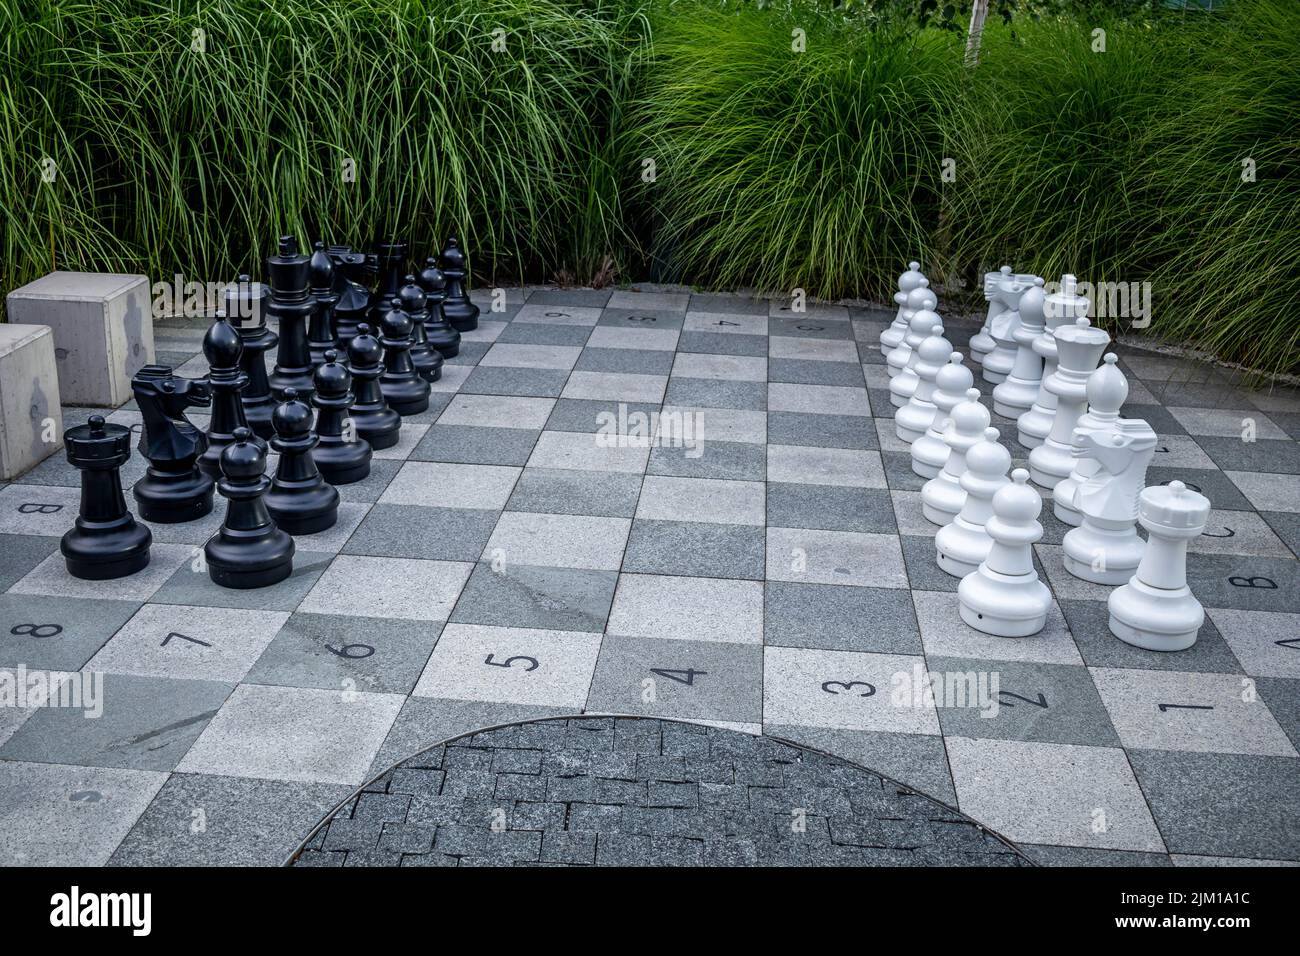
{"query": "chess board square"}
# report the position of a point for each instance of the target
(688, 680)
(586, 298)
(58, 634)
(812, 349)
(908, 512)
(716, 393)
(51, 577)
(677, 608)
(593, 417)
(558, 541)
(68, 816)
(520, 595)
(540, 334)
(144, 723)
(541, 314)
(731, 368)
(1059, 794)
(1276, 399)
(1163, 369)
(164, 640)
(1088, 621)
(818, 399)
(468, 444)
(1283, 698)
(726, 323)
(720, 343)
(661, 301)
(636, 360)
(829, 508)
(809, 372)
(1249, 583)
(1226, 423)
(369, 489)
(824, 431)
(1063, 583)
(1155, 415)
(923, 571)
(1286, 526)
(881, 407)
(17, 711)
(615, 386)
(245, 822)
(453, 376)
(1177, 710)
(488, 330)
(1238, 532)
(707, 458)
(591, 452)
(795, 327)
(1231, 804)
(20, 553)
(834, 557)
(844, 690)
(725, 302)
(416, 531)
(497, 411)
(614, 337)
(372, 654)
(1195, 394)
(715, 424)
(511, 665)
(780, 308)
(1019, 700)
(407, 439)
(945, 634)
(898, 471)
(191, 584)
(294, 734)
(918, 761)
(332, 539)
(700, 499)
(38, 509)
(876, 378)
(838, 618)
(451, 485)
(1267, 492)
(438, 401)
(512, 380)
(695, 549)
(355, 586)
(531, 356)
(802, 464)
(563, 491)
(643, 318)
(1266, 643)
(1174, 451)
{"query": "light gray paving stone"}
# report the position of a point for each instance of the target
(452, 378)
(531, 356)
(488, 330)
(38, 509)
(825, 466)
(818, 399)
(558, 541)
(497, 411)
(1238, 532)
(1265, 492)
(406, 588)
(702, 499)
(1266, 642)
(451, 485)
(591, 452)
(611, 337)
(636, 360)
(686, 608)
(1225, 423)
(728, 323)
(716, 424)
(615, 386)
(815, 350)
(51, 577)
(734, 368)
(563, 491)
(739, 461)
(811, 310)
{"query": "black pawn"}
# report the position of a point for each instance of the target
(340, 460)
(320, 332)
(291, 303)
(459, 310)
(406, 392)
(245, 308)
(172, 489)
(373, 419)
(106, 542)
(223, 348)
(300, 501)
(440, 335)
(353, 296)
(249, 551)
(427, 361)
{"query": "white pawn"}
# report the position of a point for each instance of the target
(981, 343)
(920, 298)
(902, 385)
(1107, 390)
(1105, 548)
(1059, 308)
(930, 452)
(1156, 609)
(942, 496)
(1016, 394)
(1078, 350)
(963, 543)
(898, 359)
(912, 420)
(1003, 596)
(999, 362)
(909, 280)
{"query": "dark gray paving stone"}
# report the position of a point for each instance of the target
(582, 298)
(899, 473)
(1282, 695)
(839, 618)
(829, 508)
(568, 492)
(1286, 525)
(1289, 422)
(822, 431)
(915, 760)
(1088, 623)
(1197, 394)
(471, 353)
(475, 445)
(417, 531)
(1222, 804)
(562, 599)
(438, 401)
(19, 553)
(718, 674)
(735, 304)
(880, 404)
(636, 361)
(741, 461)
(507, 380)
(716, 393)
(1086, 856)
(806, 372)
(58, 634)
(191, 585)
(805, 328)
(1215, 485)
(539, 333)
(590, 415)
(722, 343)
(1249, 582)
(1157, 416)
(923, 570)
(1269, 457)
(369, 489)
(695, 548)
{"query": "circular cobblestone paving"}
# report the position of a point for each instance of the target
(608, 791)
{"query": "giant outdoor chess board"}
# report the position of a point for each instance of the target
(500, 564)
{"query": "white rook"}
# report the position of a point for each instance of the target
(31, 417)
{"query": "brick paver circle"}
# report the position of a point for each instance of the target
(627, 791)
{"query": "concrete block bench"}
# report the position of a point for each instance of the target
(31, 416)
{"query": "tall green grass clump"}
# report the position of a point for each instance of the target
(779, 169)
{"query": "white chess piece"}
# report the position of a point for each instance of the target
(999, 362)
(909, 280)
(942, 496)
(981, 343)
(1059, 308)
(1003, 596)
(1107, 390)
(963, 543)
(1015, 395)
(1105, 548)
(1078, 349)
(919, 299)
(930, 451)
(902, 385)
(898, 359)
(912, 420)
(1156, 609)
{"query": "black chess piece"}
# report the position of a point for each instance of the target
(373, 419)
(458, 309)
(340, 460)
(320, 330)
(244, 303)
(427, 361)
(223, 348)
(249, 551)
(389, 265)
(292, 303)
(107, 542)
(441, 336)
(172, 489)
(406, 392)
(353, 296)
(300, 500)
